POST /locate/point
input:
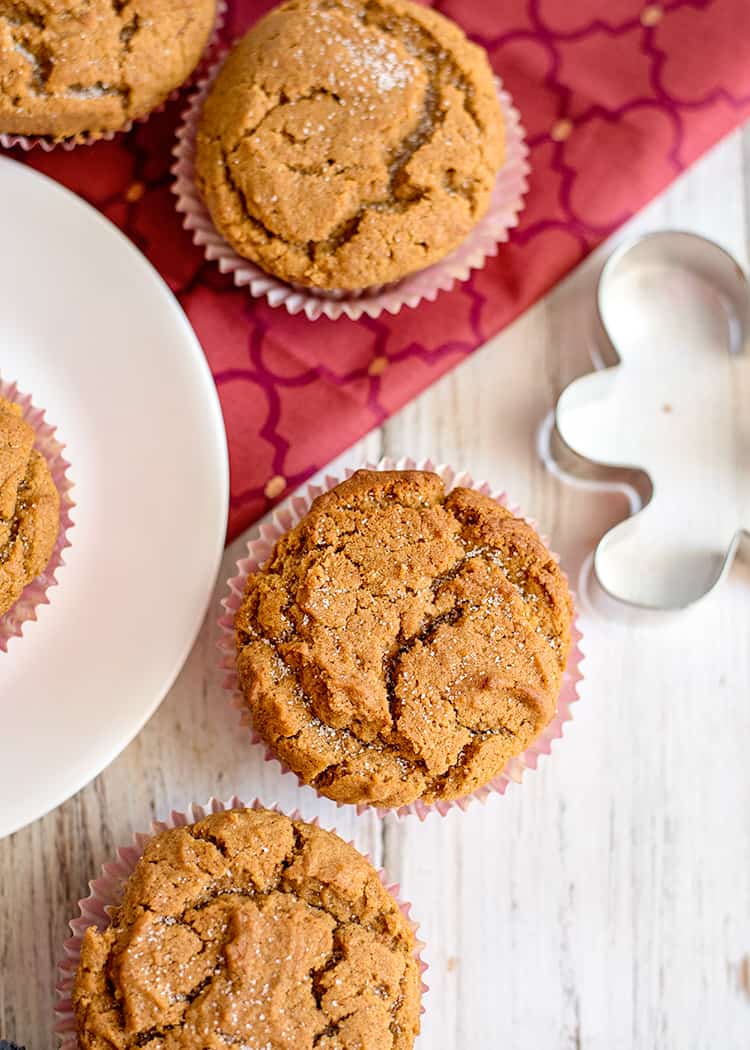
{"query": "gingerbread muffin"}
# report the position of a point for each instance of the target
(29, 507)
(348, 143)
(248, 929)
(401, 643)
(85, 68)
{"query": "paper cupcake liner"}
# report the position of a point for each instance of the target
(88, 138)
(284, 518)
(482, 242)
(35, 594)
(106, 893)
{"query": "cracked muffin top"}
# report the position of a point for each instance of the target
(252, 930)
(401, 643)
(29, 507)
(347, 143)
(84, 67)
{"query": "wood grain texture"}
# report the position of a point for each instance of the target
(603, 905)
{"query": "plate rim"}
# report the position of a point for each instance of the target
(106, 756)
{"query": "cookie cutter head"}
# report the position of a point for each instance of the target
(665, 417)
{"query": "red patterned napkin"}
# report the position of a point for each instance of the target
(617, 99)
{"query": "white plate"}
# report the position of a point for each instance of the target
(90, 330)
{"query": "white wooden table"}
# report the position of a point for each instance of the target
(605, 904)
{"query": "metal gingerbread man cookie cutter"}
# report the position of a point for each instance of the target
(665, 416)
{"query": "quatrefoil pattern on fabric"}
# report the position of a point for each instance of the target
(615, 105)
